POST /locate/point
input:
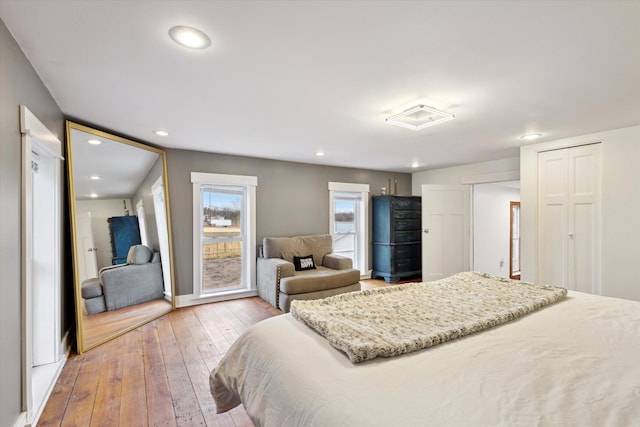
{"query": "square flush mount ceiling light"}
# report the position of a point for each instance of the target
(419, 117)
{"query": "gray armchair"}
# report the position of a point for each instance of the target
(139, 280)
(279, 283)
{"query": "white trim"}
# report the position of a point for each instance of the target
(32, 126)
(222, 179)
(37, 140)
(346, 186)
(59, 365)
(142, 222)
(248, 263)
(193, 299)
(160, 210)
(491, 177)
(363, 242)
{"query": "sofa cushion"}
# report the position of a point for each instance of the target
(139, 254)
(317, 280)
(288, 247)
(301, 263)
(91, 288)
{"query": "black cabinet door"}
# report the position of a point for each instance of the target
(397, 235)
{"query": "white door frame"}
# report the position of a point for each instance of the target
(38, 383)
(160, 209)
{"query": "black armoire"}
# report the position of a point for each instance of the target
(397, 252)
(124, 232)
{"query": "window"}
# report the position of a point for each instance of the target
(348, 222)
(142, 223)
(224, 233)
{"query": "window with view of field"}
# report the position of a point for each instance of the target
(224, 234)
(222, 237)
(349, 222)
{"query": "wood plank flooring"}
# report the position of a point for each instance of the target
(157, 374)
(100, 326)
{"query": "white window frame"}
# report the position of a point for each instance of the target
(142, 222)
(198, 179)
(362, 239)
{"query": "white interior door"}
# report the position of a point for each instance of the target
(553, 205)
(445, 230)
(88, 264)
(584, 214)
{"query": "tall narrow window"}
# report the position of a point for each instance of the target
(224, 233)
(142, 223)
(222, 237)
(514, 251)
(348, 222)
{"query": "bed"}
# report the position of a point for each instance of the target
(575, 361)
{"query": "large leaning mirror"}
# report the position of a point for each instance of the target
(121, 237)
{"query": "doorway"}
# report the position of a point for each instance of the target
(491, 226)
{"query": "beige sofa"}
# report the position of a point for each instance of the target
(279, 283)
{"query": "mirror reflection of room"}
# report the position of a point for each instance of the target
(121, 235)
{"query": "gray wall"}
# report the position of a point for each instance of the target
(19, 84)
(292, 198)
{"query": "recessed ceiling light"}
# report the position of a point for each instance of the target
(93, 195)
(161, 132)
(419, 117)
(319, 153)
(95, 177)
(94, 141)
(531, 136)
(189, 37)
(415, 165)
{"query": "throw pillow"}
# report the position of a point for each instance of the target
(304, 263)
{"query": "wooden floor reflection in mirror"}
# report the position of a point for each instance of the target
(100, 327)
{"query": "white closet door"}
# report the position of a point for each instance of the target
(569, 218)
(584, 215)
(553, 217)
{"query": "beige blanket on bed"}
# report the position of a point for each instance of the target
(401, 319)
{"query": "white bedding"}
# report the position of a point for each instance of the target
(574, 363)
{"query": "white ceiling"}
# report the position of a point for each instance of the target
(284, 79)
(120, 167)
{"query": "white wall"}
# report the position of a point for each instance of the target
(491, 223)
(494, 171)
(620, 208)
(101, 210)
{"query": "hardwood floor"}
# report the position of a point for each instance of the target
(100, 326)
(157, 374)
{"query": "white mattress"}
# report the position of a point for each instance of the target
(575, 363)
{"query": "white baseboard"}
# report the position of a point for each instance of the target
(53, 371)
(188, 300)
(22, 420)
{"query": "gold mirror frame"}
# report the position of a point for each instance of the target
(98, 328)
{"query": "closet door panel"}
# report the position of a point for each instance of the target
(553, 217)
(584, 218)
(569, 218)
(582, 249)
